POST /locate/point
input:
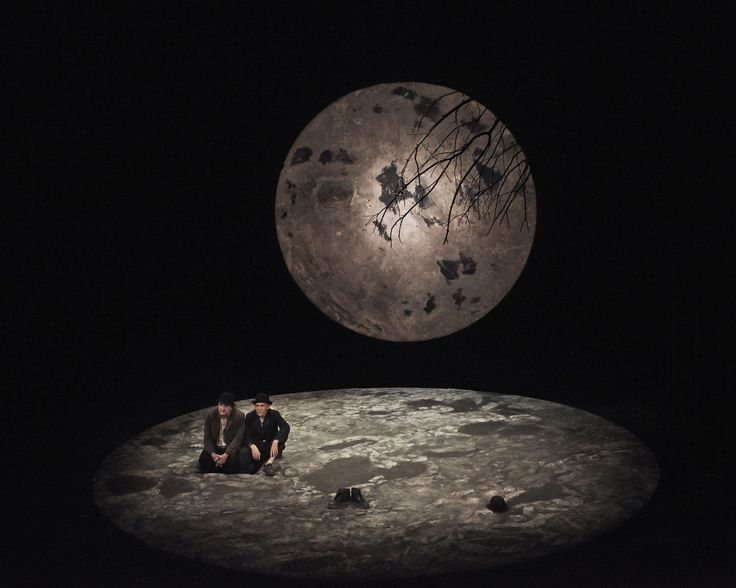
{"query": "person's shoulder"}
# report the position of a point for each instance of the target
(211, 413)
(239, 414)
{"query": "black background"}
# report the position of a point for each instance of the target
(143, 148)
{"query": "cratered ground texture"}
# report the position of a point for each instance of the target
(427, 461)
(405, 211)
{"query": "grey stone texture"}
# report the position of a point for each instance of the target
(427, 461)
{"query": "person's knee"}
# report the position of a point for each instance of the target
(205, 463)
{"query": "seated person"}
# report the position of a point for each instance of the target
(266, 433)
(224, 428)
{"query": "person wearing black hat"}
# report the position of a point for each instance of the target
(266, 433)
(224, 428)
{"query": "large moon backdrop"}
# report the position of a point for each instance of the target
(405, 211)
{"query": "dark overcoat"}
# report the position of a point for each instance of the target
(274, 427)
(233, 434)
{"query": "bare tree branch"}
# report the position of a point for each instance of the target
(483, 164)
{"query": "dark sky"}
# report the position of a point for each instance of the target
(144, 148)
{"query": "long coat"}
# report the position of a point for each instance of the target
(233, 435)
(274, 427)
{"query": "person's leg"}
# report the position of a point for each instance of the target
(249, 465)
(281, 452)
(206, 464)
(232, 466)
(242, 455)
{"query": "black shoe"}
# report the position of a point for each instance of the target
(357, 498)
(342, 499)
(268, 469)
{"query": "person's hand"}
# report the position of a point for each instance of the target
(223, 458)
(255, 453)
(274, 453)
(215, 457)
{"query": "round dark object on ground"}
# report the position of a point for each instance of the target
(497, 504)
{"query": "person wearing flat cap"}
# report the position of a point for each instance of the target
(266, 433)
(224, 428)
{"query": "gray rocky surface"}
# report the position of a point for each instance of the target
(427, 460)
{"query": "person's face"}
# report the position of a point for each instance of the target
(225, 410)
(261, 409)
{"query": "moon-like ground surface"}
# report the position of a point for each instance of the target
(427, 460)
(343, 169)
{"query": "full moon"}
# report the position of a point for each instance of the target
(405, 211)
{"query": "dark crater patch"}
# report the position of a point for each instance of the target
(430, 222)
(291, 191)
(407, 312)
(392, 186)
(428, 107)
(174, 486)
(475, 126)
(404, 93)
(379, 412)
(122, 485)
(468, 263)
(343, 472)
(428, 403)
(450, 268)
(458, 298)
(378, 109)
(522, 429)
(301, 155)
(490, 176)
(328, 156)
(464, 405)
(421, 197)
(154, 442)
(475, 300)
(482, 428)
(334, 193)
(430, 305)
(406, 469)
(344, 157)
(548, 491)
(344, 444)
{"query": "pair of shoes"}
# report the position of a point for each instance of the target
(348, 496)
(269, 470)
